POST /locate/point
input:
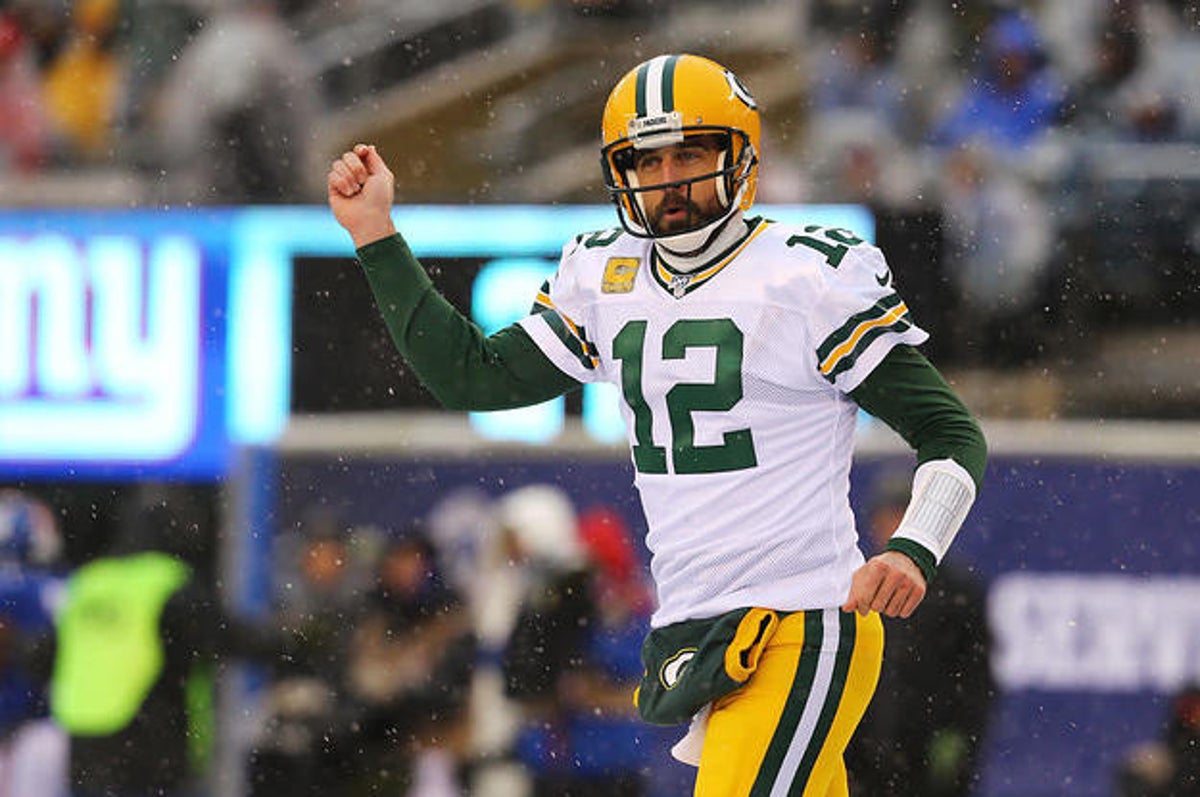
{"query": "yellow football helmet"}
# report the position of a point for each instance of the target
(660, 102)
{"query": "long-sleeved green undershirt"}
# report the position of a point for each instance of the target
(907, 393)
(462, 367)
(466, 370)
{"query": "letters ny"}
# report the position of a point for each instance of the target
(99, 347)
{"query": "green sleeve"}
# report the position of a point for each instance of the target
(463, 368)
(907, 392)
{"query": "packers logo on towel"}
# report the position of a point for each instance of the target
(619, 274)
(672, 669)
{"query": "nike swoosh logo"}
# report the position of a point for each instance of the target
(883, 278)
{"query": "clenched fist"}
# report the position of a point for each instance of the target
(361, 188)
(889, 583)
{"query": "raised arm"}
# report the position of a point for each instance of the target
(462, 367)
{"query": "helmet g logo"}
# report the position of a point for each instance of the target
(736, 89)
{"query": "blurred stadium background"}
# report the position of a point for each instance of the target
(1031, 169)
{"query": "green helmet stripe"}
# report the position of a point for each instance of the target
(640, 94)
(668, 84)
(655, 92)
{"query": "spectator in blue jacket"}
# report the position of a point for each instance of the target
(33, 749)
(1013, 96)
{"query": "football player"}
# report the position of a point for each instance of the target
(743, 349)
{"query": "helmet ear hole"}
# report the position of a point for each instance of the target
(725, 184)
(623, 159)
(746, 174)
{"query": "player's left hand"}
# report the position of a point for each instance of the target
(889, 583)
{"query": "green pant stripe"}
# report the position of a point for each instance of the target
(833, 699)
(793, 709)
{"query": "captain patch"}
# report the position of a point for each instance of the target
(619, 274)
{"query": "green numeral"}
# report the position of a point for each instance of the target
(834, 252)
(602, 238)
(627, 347)
(737, 448)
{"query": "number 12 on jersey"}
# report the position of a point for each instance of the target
(682, 399)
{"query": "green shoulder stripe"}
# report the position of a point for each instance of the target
(576, 342)
(542, 301)
(842, 348)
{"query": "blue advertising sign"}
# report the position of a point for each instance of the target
(113, 344)
(140, 344)
(1091, 567)
(144, 343)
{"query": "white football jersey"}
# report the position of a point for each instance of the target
(734, 379)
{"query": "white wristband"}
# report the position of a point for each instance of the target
(942, 494)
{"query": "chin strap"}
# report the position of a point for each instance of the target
(942, 494)
(695, 246)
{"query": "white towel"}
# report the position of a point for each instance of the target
(689, 747)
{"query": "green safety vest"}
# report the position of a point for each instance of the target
(110, 652)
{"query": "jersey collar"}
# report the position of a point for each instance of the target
(679, 282)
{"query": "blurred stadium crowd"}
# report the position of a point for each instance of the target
(149, 87)
(490, 648)
(1045, 150)
(1031, 165)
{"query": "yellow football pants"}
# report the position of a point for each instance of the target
(785, 731)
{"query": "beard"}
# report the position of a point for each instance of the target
(695, 215)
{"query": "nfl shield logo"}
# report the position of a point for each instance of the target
(679, 284)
